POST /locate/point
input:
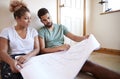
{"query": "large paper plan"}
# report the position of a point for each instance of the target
(60, 65)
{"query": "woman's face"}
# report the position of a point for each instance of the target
(25, 20)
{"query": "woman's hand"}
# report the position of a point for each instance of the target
(15, 66)
(22, 59)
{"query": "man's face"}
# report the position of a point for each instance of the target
(46, 20)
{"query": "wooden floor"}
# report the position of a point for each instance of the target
(107, 60)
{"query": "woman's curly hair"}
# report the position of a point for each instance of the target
(18, 7)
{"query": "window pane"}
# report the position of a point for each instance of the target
(114, 4)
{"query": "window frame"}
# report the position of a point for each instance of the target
(106, 9)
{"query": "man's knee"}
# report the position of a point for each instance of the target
(87, 67)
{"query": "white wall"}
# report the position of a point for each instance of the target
(6, 17)
(105, 27)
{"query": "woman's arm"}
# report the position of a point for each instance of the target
(5, 56)
(35, 51)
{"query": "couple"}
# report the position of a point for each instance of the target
(25, 42)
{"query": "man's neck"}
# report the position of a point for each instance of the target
(51, 28)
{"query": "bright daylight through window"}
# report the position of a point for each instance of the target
(111, 5)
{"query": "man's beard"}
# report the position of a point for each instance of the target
(48, 25)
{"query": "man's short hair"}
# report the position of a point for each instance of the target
(42, 12)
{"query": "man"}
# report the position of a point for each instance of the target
(51, 38)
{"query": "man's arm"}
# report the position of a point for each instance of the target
(75, 37)
(51, 50)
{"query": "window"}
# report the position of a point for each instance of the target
(110, 5)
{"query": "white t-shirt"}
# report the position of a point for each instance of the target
(17, 44)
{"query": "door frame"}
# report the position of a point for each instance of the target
(84, 15)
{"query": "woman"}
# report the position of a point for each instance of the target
(20, 39)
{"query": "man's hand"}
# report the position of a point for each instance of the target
(64, 47)
(86, 37)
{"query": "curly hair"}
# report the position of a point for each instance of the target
(18, 8)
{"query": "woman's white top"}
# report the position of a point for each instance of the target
(17, 44)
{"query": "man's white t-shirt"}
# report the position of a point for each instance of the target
(17, 44)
